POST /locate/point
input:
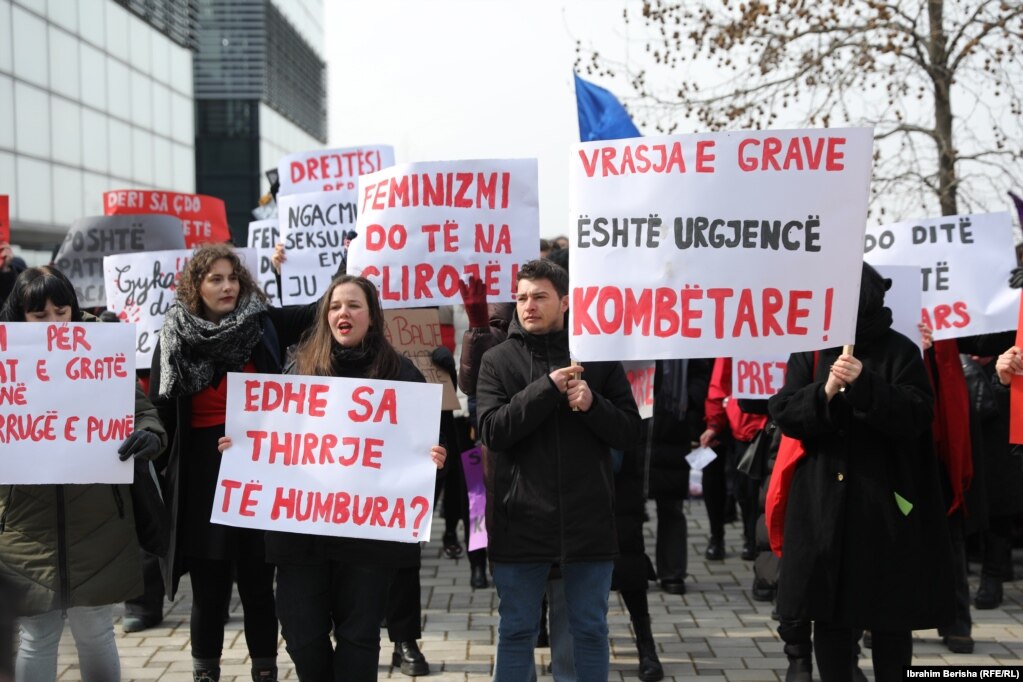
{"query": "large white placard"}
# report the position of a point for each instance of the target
(904, 300)
(716, 244)
(263, 237)
(423, 227)
(330, 170)
(314, 229)
(329, 456)
(141, 288)
(964, 262)
(67, 402)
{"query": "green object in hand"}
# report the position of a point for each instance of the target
(905, 506)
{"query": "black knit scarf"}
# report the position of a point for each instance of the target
(194, 350)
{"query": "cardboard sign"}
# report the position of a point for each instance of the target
(330, 170)
(716, 244)
(263, 237)
(472, 467)
(80, 257)
(67, 402)
(314, 228)
(641, 378)
(5, 219)
(203, 218)
(415, 333)
(964, 262)
(329, 456)
(142, 287)
(423, 227)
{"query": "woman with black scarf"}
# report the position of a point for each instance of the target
(865, 543)
(219, 323)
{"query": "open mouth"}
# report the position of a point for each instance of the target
(344, 327)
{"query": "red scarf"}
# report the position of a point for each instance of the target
(951, 418)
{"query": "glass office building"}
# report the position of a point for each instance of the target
(94, 95)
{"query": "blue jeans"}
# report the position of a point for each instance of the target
(520, 588)
(93, 630)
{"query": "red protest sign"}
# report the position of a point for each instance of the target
(5, 219)
(203, 218)
(1016, 390)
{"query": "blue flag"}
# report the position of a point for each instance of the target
(601, 115)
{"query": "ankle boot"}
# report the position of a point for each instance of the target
(989, 594)
(264, 674)
(800, 669)
(650, 669)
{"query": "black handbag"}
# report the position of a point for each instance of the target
(152, 519)
(754, 460)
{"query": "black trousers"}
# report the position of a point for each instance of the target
(835, 649)
(314, 600)
(211, 588)
(404, 606)
(149, 605)
(672, 538)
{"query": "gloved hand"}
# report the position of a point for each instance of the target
(443, 358)
(474, 296)
(1016, 278)
(140, 443)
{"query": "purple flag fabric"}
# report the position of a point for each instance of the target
(1019, 206)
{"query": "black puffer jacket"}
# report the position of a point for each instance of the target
(551, 491)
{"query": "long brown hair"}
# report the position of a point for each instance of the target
(200, 264)
(313, 356)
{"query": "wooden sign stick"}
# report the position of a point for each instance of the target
(575, 376)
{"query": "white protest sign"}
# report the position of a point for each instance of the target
(423, 227)
(758, 377)
(904, 300)
(263, 237)
(313, 228)
(329, 456)
(67, 402)
(330, 170)
(141, 288)
(80, 256)
(964, 262)
(641, 378)
(716, 244)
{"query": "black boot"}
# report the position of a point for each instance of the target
(264, 674)
(800, 669)
(650, 669)
(206, 675)
(989, 594)
(409, 659)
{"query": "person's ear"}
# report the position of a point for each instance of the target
(564, 303)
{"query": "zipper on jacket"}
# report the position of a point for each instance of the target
(118, 500)
(62, 560)
(7, 509)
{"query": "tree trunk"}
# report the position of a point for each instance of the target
(942, 79)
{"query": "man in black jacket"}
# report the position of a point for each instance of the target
(549, 428)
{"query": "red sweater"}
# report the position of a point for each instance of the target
(722, 412)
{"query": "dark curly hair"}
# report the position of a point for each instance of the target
(201, 262)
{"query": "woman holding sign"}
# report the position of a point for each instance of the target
(70, 551)
(335, 584)
(219, 323)
(865, 539)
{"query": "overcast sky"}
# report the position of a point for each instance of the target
(460, 79)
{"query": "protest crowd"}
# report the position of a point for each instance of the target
(293, 414)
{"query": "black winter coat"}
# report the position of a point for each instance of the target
(851, 557)
(281, 327)
(303, 548)
(551, 495)
(672, 436)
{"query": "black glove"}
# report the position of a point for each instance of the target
(141, 443)
(443, 358)
(1016, 278)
